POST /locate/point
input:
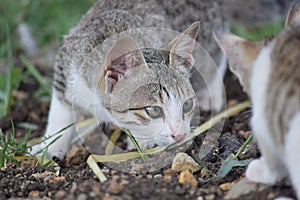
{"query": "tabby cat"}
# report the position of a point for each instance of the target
(104, 69)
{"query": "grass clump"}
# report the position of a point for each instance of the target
(10, 148)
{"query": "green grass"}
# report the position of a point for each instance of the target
(10, 147)
(49, 21)
(258, 33)
(9, 80)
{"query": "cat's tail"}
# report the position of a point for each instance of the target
(292, 150)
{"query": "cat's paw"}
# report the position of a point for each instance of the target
(37, 150)
(259, 172)
(58, 151)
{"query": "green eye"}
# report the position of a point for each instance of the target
(187, 106)
(154, 111)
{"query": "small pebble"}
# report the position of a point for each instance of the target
(210, 197)
(157, 176)
(149, 176)
(60, 194)
(92, 194)
(115, 188)
(82, 197)
(183, 161)
(187, 177)
(77, 155)
(226, 186)
(34, 194)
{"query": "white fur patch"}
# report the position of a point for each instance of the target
(258, 85)
(269, 168)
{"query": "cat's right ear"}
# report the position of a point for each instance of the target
(181, 49)
(124, 55)
(240, 53)
(293, 17)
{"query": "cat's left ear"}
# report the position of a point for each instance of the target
(181, 49)
(124, 55)
(240, 53)
(293, 17)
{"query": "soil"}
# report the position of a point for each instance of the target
(77, 181)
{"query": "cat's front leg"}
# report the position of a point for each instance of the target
(60, 117)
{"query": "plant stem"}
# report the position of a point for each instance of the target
(241, 149)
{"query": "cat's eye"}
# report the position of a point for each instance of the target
(154, 111)
(187, 106)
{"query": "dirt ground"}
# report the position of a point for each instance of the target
(77, 181)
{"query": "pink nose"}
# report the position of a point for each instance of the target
(178, 137)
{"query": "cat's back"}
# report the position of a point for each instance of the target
(106, 18)
(283, 90)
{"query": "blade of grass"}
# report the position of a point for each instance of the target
(3, 148)
(34, 72)
(45, 139)
(43, 158)
(241, 149)
(8, 82)
(225, 114)
(136, 145)
(94, 166)
(200, 162)
(22, 146)
(125, 156)
(47, 146)
(112, 140)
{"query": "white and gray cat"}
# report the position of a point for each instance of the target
(145, 90)
(270, 72)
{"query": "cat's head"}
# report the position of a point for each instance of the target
(148, 90)
(242, 54)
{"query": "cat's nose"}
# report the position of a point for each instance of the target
(178, 137)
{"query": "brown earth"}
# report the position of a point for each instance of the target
(79, 182)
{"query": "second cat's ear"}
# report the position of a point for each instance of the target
(124, 55)
(293, 17)
(240, 53)
(181, 49)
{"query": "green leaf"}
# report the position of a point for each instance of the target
(229, 163)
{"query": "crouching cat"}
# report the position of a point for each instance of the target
(270, 73)
(145, 90)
